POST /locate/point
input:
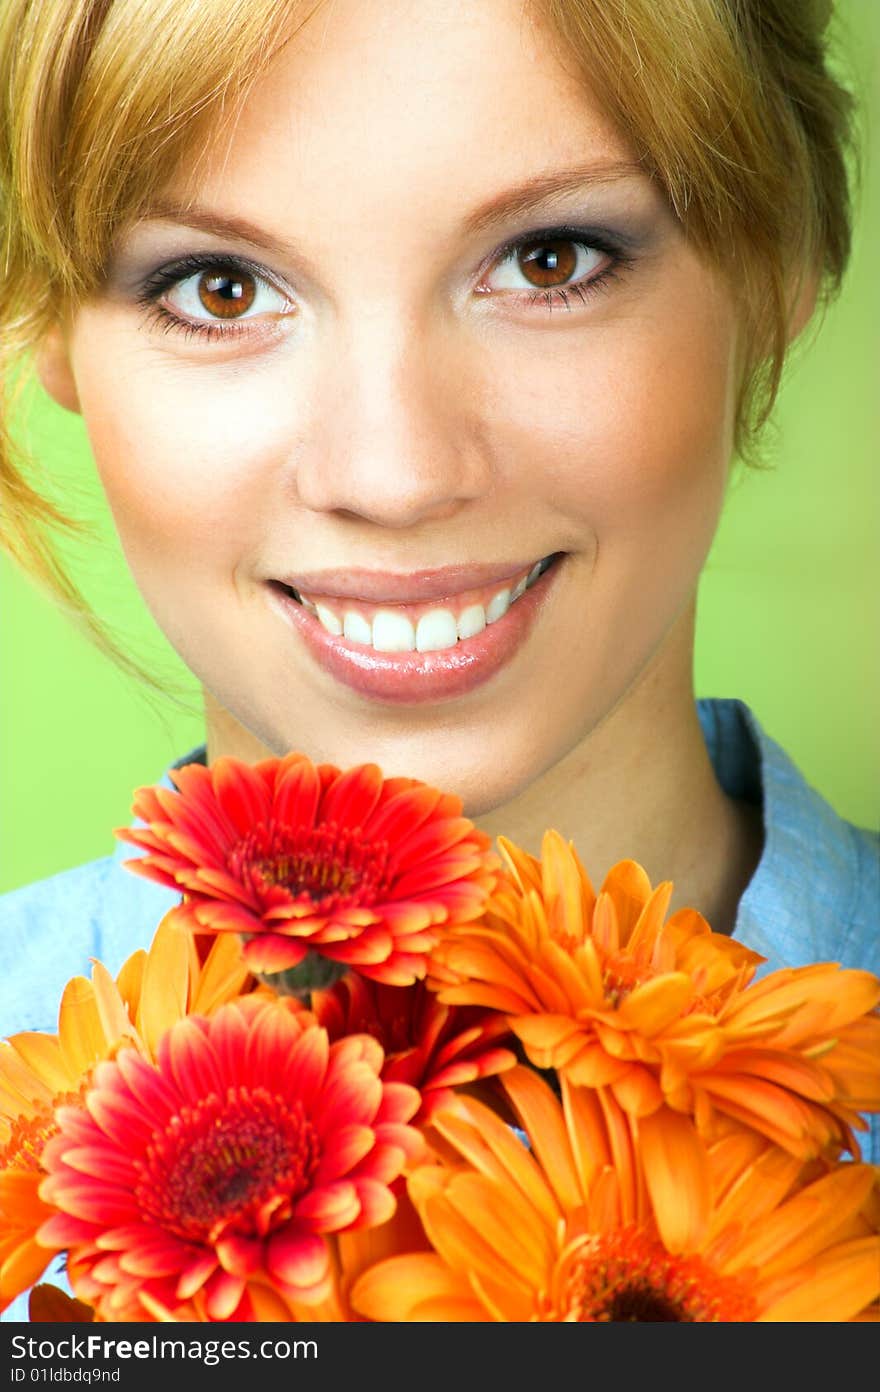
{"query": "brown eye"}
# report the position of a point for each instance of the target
(227, 293)
(548, 264)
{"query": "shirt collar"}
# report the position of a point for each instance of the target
(790, 900)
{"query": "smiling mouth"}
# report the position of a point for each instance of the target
(424, 627)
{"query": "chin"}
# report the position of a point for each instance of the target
(482, 780)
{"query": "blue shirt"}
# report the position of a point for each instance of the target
(814, 897)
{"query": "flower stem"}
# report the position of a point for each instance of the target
(314, 973)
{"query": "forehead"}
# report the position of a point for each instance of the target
(426, 103)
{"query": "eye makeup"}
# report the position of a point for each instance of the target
(156, 290)
(618, 253)
(216, 270)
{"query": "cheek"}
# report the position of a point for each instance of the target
(182, 455)
(627, 430)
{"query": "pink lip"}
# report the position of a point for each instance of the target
(415, 678)
(387, 587)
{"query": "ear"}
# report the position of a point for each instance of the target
(54, 369)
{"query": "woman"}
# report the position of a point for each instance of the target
(414, 345)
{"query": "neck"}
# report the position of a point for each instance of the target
(640, 786)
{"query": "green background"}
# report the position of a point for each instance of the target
(788, 605)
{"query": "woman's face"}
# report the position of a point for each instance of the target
(420, 324)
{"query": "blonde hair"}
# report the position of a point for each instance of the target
(728, 103)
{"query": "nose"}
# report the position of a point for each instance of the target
(395, 435)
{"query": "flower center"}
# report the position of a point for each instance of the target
(621, 975)
(328, 865)
(627, 1276)
(229, 1163)
(29, 1134)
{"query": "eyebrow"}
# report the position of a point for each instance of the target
(527, 196)
(513, 202)
(220, 224)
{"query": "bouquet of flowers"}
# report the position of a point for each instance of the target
(372, 1069)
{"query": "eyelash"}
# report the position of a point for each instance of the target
(590, 239)
(166, 277)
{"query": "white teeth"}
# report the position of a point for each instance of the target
(356, 629)
(498, 606)
(436, 629)
(393, 632)
(329, 620)
(471, 621)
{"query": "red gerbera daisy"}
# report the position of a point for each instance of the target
(297, 856)
(218, 1169)
(434, 1047)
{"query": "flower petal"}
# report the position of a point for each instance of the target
(677, 1175)
(298, 1258)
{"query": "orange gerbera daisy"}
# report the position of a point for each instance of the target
(38, 1072)
(434, 1047)
(799, 1060)
(574, 1228)
(217, 1170)
(610, 992)
(304, 859)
